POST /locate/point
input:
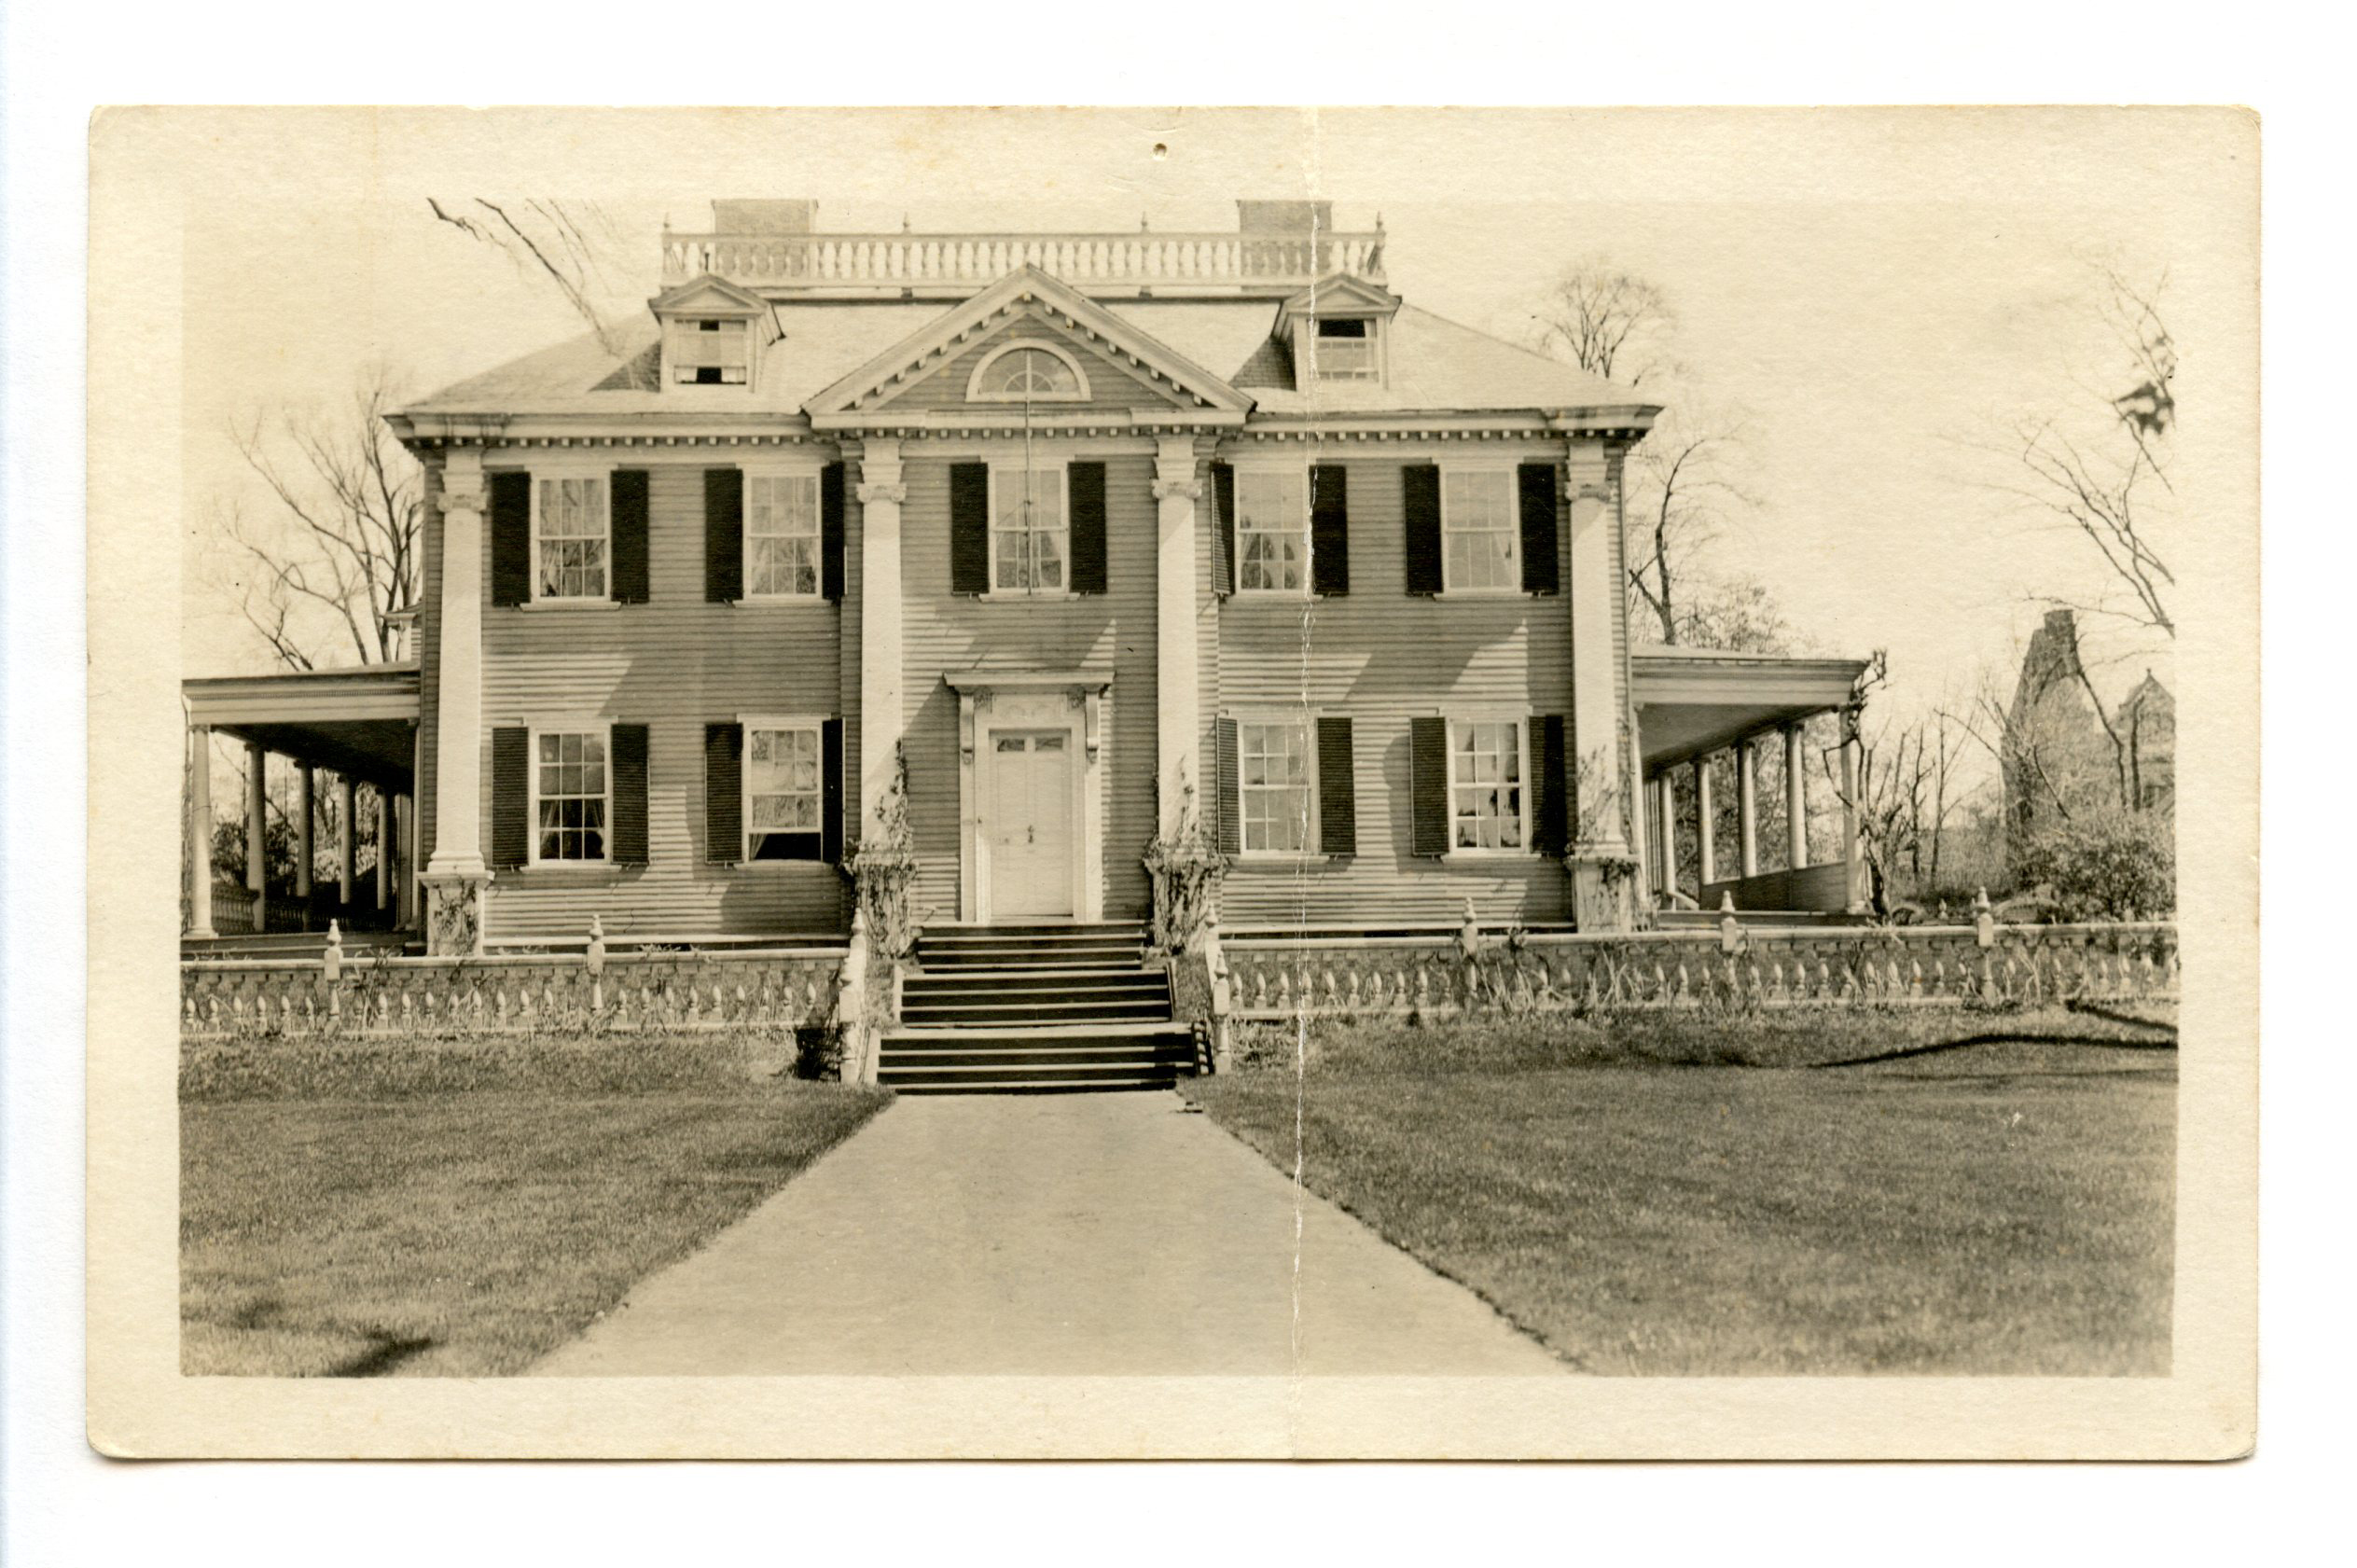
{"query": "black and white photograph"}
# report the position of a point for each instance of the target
(1186, 759)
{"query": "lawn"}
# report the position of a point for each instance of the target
(1999, 1207)
(463, 1232)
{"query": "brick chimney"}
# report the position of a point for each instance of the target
(792, 215)
(1283, 218)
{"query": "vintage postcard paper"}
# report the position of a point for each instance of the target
(1115, 783)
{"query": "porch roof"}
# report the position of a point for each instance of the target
(360, 722)
(1692, 701)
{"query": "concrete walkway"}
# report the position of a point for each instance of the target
(1102, 1234)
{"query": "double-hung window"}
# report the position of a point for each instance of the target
(1273, 780)
(780, 535)
(1344, 348)
(1272, 529)
(1488, 802)
(782, 789)
(571, 798)
(709, 352)
(1030, 530)
(569, 530)
(1479, 530)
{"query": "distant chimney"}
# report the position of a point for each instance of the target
(1283, 218)
(795, 215)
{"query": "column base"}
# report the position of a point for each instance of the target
(1603, 890)
(454, 912)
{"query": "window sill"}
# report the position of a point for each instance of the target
(1023, 596)
(1490, 857)
(774, 868)
(1450, 594)
(1271, 860)
(779, 601)
(585, 871)
(545, 607)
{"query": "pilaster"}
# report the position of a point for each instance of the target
(1177, 488)
(882, 711)
(455, 880)
(1596, 608)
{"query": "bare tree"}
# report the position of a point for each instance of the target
(1606, 320)
(570, 246)
(338, 551)
(1683, 491)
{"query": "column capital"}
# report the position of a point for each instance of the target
(1167, 490)
(869, 493)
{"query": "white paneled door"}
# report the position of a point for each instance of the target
(1031, 824)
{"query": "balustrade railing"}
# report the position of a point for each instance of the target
(1144, 260)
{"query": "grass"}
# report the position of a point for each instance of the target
(1980, 1196)
(353, 1231)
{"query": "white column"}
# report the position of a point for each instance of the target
(257, 832)
(1178, 741)
(347, 843)
(458, 734)
(1795, 799)
(1853, 859)
(1595, 601)
(882, 712)
(306, 806)
(1705, 822)
(200, 831)
(385, 847)
(404, 859)
(1667, 786)
(1747, 803)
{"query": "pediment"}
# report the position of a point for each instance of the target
(708, 296)
(1118, 362)
(1340, 294)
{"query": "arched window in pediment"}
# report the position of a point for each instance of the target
(1028, 372)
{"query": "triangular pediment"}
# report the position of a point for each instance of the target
(708, 296)
(1340, 294)
(1116, 360)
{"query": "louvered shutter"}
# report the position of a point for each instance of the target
(1337, 789)
(830, 531)
(1551, 819)
(1428, 785)
(831, 792)
(510, 797)
(1420, 502)
(629, 753)
(627, 520)
(724, 536)
(1231, 804)
(1329, 531)
(1223, 555)
(723, 793)
(1541, 556)
(969, 528)
(1085, 485)
(511, 538)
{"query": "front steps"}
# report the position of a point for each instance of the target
(1034, 1009)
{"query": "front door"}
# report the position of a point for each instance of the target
(1030, 825)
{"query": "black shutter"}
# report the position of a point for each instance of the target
(1231, 803)
(969, 528)
(830, 531)
(724, 800)
(510, 797)
(831, 792)
(1224, 557)
(1428, 785)
(511, 538)
(1551, 821)
(724, 536)
(1087, 492)
(628, 522)
(1541, 557)
(629, 758)
(1419, 502)
(1337, 791)
(1329, 531)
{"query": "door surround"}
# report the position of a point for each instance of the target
(1072, 700)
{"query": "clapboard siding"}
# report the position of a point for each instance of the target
(1380, 655)
(1112, 386)
(675, 664)
(943, 632)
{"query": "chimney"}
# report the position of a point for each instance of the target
(1283, 218)
(794, 215)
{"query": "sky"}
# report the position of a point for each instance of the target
(1876, 292)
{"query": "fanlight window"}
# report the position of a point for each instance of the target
(1020, 375)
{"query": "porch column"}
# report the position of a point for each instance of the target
(1747, 803)
(257, 834)
(1594, 600)
(1667, 784)
(385, 847)
(347, 843)
(456, 880)
(1179, 737)
(1706, 823)
(882, 712)
(405, 862)
(200, 831)
(1796, 800)
(307, 805)
(1853, 859)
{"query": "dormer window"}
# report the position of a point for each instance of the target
(705, 352)
(1339, 329)
(1344, 348)
(1028, 372)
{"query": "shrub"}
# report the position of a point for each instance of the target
(2105, 867)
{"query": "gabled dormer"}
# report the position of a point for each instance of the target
(1339, 327)
(713, 333)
